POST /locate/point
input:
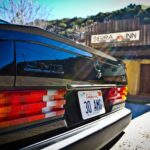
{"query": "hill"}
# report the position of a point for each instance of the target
(74, 28)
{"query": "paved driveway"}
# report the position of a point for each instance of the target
(137, 135)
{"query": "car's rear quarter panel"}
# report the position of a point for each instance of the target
(33, 60)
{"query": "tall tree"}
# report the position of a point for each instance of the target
(23, 11)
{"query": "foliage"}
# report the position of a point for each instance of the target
(22, 11)
(72, 28)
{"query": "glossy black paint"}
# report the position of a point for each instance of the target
(6, 58)
(7, 66)
(42, 61)
(21, 36)
(36, 60)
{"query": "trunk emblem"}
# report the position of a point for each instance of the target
(97, 67)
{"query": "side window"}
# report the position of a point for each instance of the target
(6, 58)
(39, 60)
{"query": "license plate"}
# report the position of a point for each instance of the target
(91, 103)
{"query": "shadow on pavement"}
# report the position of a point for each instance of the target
(137, 109)
(113, 142)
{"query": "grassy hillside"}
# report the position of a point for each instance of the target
(73, 28)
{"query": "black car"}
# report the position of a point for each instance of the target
(55, 93)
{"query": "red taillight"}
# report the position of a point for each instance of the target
(117, 95)
(21, 97)
(18, 107)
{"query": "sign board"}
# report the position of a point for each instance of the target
(116, 37)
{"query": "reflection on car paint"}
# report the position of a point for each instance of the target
(45, 68)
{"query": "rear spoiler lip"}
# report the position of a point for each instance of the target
(92, 86)
(67, 87)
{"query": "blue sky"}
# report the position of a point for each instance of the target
(84, 8)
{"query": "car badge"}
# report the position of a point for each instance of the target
(97, 67)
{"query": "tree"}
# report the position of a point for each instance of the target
(63, 25)
(89, 21)
(23, 11)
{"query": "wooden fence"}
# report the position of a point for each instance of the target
(115, 26)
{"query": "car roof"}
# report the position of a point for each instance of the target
(40, 32)
(3, 22)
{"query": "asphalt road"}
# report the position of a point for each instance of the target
(137, 135)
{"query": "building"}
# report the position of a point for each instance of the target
(128, 40)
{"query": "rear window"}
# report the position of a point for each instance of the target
(36, 60)
(6, 58)
(39, 60)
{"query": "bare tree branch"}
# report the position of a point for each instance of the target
(23, 11)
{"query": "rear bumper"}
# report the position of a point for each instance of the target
(90, 136)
